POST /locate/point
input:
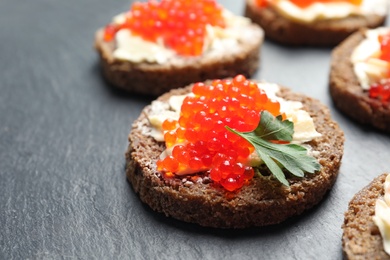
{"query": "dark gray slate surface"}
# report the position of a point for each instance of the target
(63, 134)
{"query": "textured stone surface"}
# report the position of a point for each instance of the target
(63, 134)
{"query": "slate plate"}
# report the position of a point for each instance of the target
(63, 134)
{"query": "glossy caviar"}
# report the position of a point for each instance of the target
(181, 24)
(199, 140)
(306, 3)
(381, 90)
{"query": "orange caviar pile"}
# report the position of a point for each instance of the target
(306, 3)
(381, 90)
(181, 24)
(200, 140)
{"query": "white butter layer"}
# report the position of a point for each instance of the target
(136, 49)
(304, 129)
(367, 66)
(382, 215)
(324, 11)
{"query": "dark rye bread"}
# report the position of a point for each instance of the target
(361, 237)
(262, 202)
(347, 94)
(156, 79)
(319, 33)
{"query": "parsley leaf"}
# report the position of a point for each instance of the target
(292, 157)
(274, 128)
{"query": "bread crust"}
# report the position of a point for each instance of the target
(346, 91)
(262, 202)
(361, 237)
(156, 79)
(319, 33)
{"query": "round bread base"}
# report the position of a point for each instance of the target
(319, 33)
(361, 237)
(156, 79)
(347, 94)
(262, 201)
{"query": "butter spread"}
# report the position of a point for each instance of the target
(160, 111)
(367, 66)
(136, 49)
(304, 129)
(324, 11)
(382, 215)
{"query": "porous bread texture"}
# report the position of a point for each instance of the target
(346, 91)
(318, 33)
(156, 79)
(263, 201)
(361, 237)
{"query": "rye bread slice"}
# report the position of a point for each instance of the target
(156, 79)
(263, 201)
(319, 33)
(361, 237)
(346, 91)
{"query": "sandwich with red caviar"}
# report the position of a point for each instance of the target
(367, 222)
(158, 46)
(360, 77)
(233, 153)
(315, 22)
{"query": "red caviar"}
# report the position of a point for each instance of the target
(207, 145)
(306, 3)
(180, 23)
(384, 40)
(381, 90)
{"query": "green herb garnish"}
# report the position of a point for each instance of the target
(292, 157)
